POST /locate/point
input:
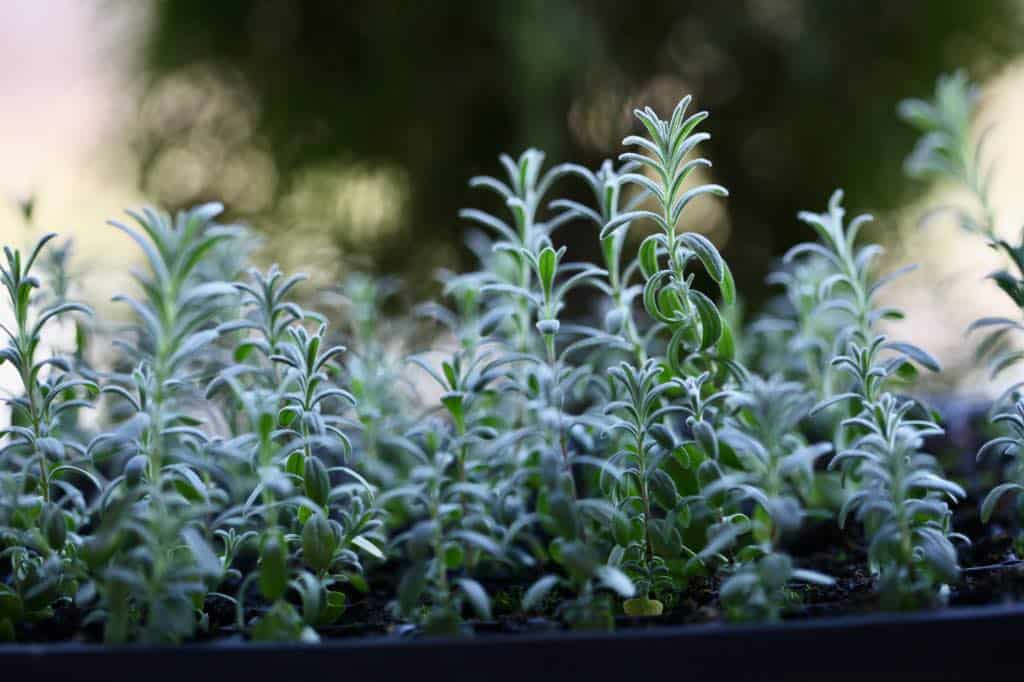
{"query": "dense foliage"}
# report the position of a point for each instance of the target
(233, 454)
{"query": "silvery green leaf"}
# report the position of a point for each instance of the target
(477, 596)
(615, 580)
(538, 591)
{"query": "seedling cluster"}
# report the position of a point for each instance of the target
(242, 471)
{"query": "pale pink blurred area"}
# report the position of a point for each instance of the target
(65, 91)
(56, 79)
(950, 289)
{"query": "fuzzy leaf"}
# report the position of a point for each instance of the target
(992, 499)
(538, 590)
(368, 547)
(918, 355)
(477, 596)
(615, 580)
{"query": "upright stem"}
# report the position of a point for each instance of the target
(646, 499)
(559, 404)
(442, 573)
(34, 416)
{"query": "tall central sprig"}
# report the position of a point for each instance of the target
(691, 317)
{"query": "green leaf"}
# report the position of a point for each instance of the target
(726, 348)
(622, 530)
(992, 499)
(454, 555)
(358, 581)
(243, 350)
(273, 567)
(54, 526)
(650, 297)
(907, 372)
(453, 401)
(56, 471)
(295, 464)
(281, 623)
(579, 558)
(477, 596)
(648, 256)
(615, 580)
(538, 591)
(411, 586)
(546, 263)
(207, 561)
(332, 610)
(710, 322)
(663, 488)
(813, 577)
(562, 515)
(706, 438)
(450, 374)
(478, 540)
(51, 448)
(727, 286)
(319, 542)
(265, 426)
(663, 436)
(707, 253)
(421, 539)
(287, 415)
(189, 485)
(316, 481)
(368, 547)
(918, 355)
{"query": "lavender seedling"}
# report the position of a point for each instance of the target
(900, 496)
(45, 472)
(948, 150)
(776, 464)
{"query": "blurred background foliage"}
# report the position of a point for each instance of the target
(347, 131)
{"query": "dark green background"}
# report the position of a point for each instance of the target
(802, 96)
